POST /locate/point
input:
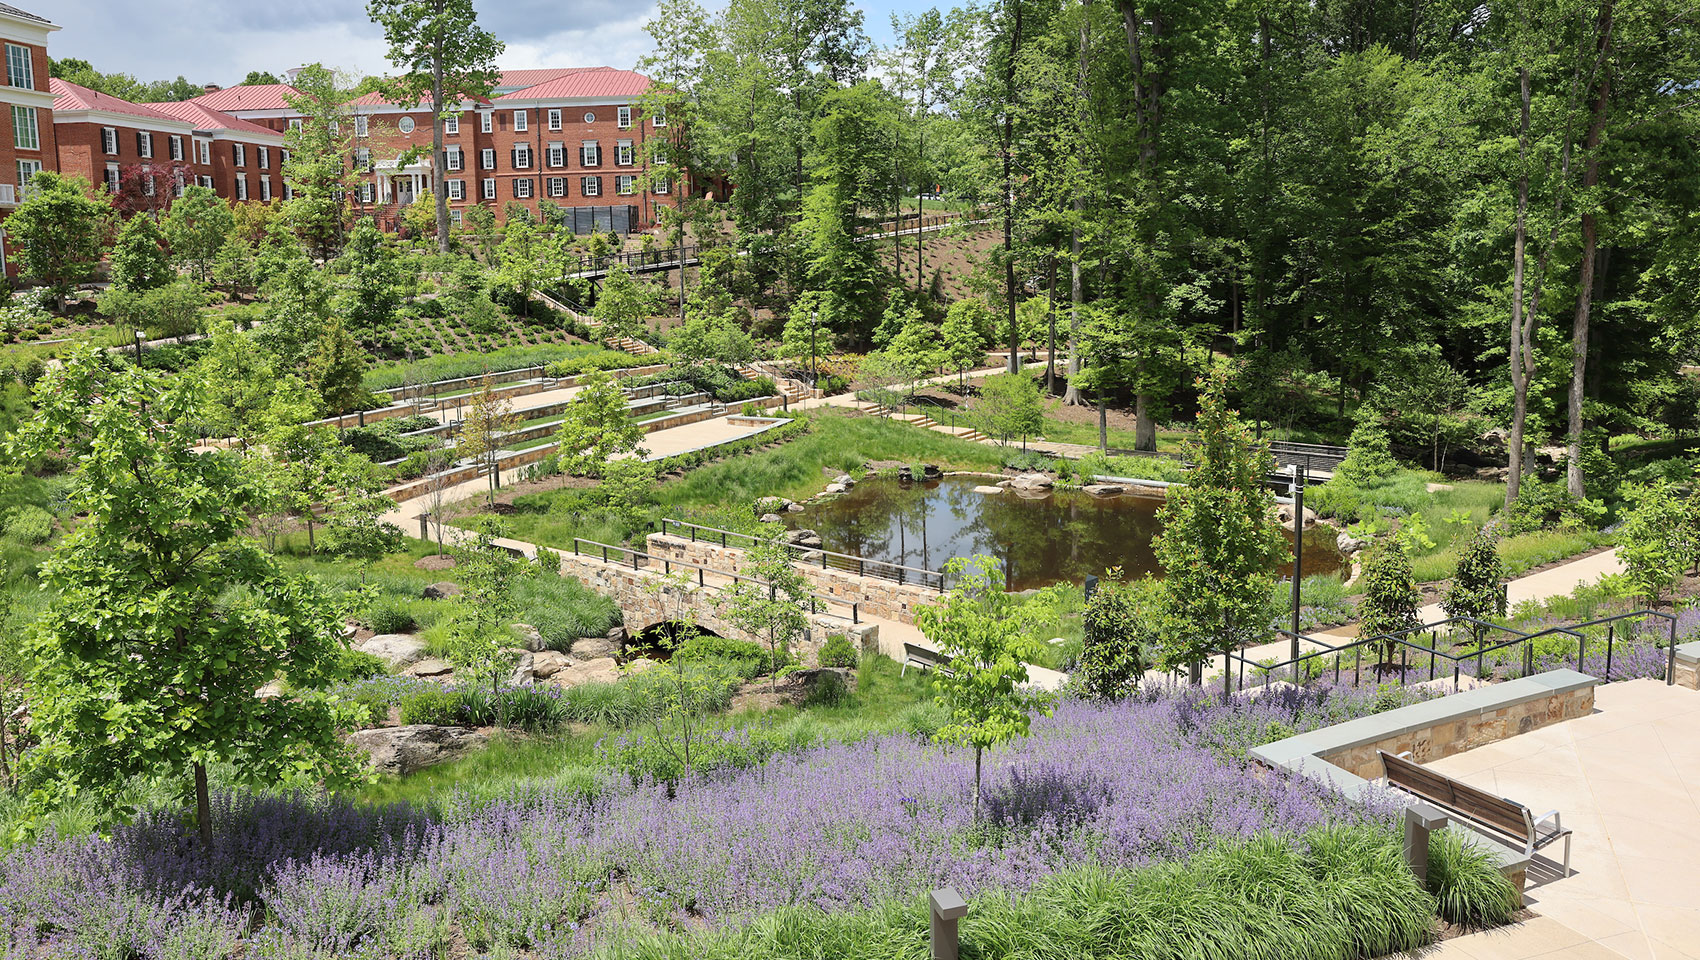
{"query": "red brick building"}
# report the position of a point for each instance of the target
(27, 144)
(566, 144)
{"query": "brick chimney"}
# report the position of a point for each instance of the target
(213, 88)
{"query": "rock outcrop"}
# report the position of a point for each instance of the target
(402, 750)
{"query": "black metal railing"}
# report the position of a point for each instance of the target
(814, 556)
(1475, 652)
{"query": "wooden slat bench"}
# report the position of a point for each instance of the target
(923, 658)
(1497, 816)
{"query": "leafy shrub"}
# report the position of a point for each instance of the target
(741, 656)
(563, 610)
(432, 704)
(1541, 505)
(390, 615)
(827, 689)
(922, 720)
(359, 665)
(837, 652)
(1465, 881)
(30, 524)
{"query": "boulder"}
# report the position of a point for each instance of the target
(441, 590)
(1284, 513)
(402, 750)
(772, 518)
(524, 670)
(774, 505)
(1105, 489)
(547, 663)
(1348, 544)
(396, 649)
(592, 648)
(794, 508)
(809, 539)
(528, 636)
(835, 488)
(432, 667)
(931, 472)
(600, 670)
(845, 480)
(1028, 481)
(985, 489)
(641, 664)
(905, 474)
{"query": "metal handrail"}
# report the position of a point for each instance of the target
(667, 565)
(1479, 654)
(930, 579)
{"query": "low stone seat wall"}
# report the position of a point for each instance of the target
(1688, 665)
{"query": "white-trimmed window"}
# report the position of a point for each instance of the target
(554, 120)
(522, 156)
(25, 134)
(26, 170)
(522, 188)
(661, 186)
(336, 128)
(457, 189)
(109, 141)
(282, 157)
(452, 158)
(519, 120)
(112, 178)
(177, 185)
(557, 186)
(240, 151)
(557, 154)
(623, 153)
(265, 188)
(147, 181)
(242, 186)
(207, 182)
(203, 151)
(589, 117)
(455, 217)
(144, 144)
(625, 185)
(175, 148)
(265, 158)
(288, 191)
(20, 70)
(489, 188)
(589, 154)
(624, 118)
(295, 123)
(361, 126)
(590, 186)
(363, 159)
(405, 124)
(485, 121)
(451, 125)
(659, 120)
(487, 158)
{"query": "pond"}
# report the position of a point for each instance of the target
(1064, 537)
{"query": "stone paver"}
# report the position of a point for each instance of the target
(1626, 779)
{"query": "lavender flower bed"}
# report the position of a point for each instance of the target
(834, 828)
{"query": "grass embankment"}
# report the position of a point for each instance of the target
(1448, 517)
(457, 365)
(724, 493)
(881, 701)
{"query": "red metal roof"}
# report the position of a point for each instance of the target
(68, 96)
(248, 96)
(584, 82)
(206, 118)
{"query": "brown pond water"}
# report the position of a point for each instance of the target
(1062, 538)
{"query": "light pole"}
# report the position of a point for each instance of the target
(814, 364)
(1298, 472)
(140, 336)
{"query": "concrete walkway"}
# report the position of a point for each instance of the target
(1627, 780)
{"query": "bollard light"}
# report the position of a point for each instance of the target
(947, 908)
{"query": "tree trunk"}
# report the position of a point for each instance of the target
(1144, 428)
(203, 806)
(1103, 423)
(1009, 191)
(1051, 314)
(1519, 245)
(1575, 481)
(310, 548)
(977, 753)
(920, 207)
(1075, 291)
(439, 186)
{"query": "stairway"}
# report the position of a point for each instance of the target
(631, 345)
(793, 390)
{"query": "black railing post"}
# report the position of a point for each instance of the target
(1581, 649)
(1670, 666)
(1611, 635)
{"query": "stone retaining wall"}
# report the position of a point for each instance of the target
(1688, 665)
(873, 596)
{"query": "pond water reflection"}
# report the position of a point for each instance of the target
(1064, 537)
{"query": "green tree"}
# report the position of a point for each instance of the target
(1391, 599)
(597, 427)
(318, 170)
(624, 302)
(1119, 636)
(370, 290)
(445, 59)
(770, 603)
(336, 370)
(1478, 583)
(805, 338)
(985, 690)
(1657, 539)
(138, 260)
(197, 226)
(258, 77)
(967, 332)
(489, 418)
(239, 380)
(233, 267)
(1008, 406)
(165, 620)
(519, 265)
(59, 230)
(1219, 543)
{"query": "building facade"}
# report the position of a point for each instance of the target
(568, 145)
(27, 143)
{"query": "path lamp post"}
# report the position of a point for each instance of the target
(814, 364)
(1298, 490)
(140, 336)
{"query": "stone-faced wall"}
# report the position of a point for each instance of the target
(1688, 665)
(1464, 730)
(873, 596)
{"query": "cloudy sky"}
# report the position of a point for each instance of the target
(219, 41)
